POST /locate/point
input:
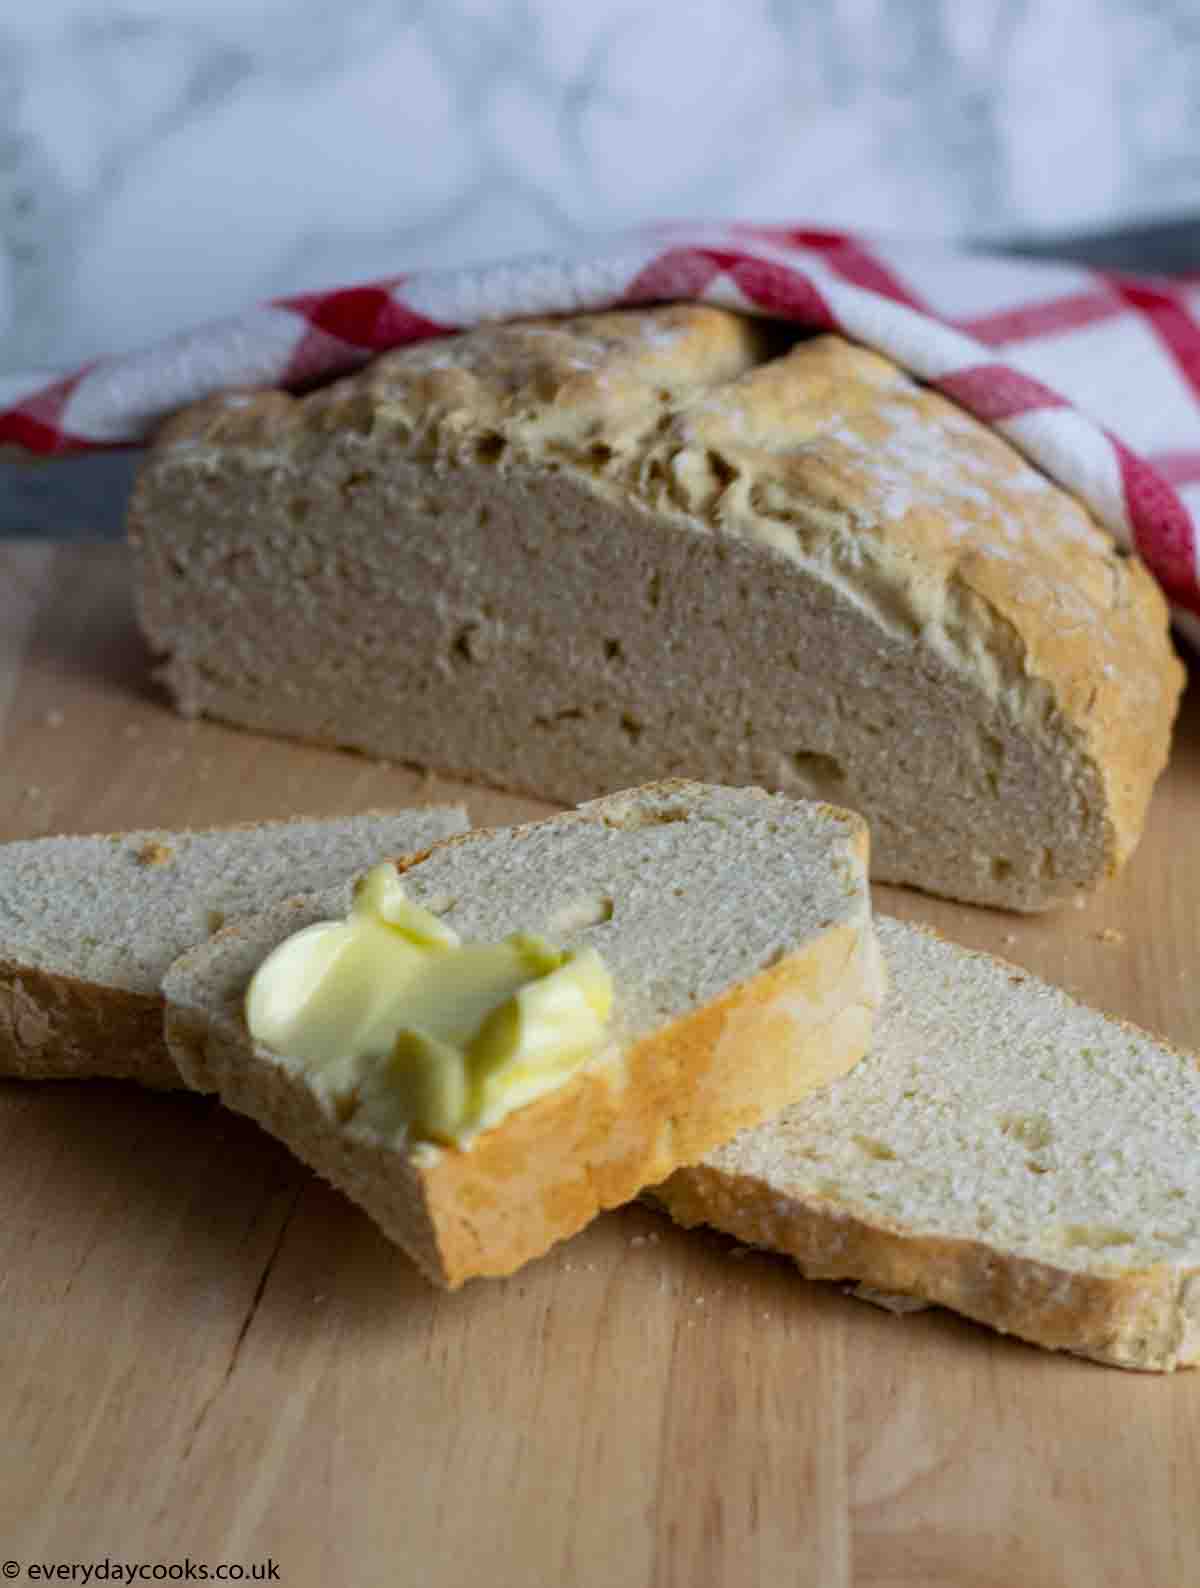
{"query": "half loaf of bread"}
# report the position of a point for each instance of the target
(1002, 1150)
(736, 927)
(570, 556)
(89, 925)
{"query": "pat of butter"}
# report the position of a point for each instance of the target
(434, 1037)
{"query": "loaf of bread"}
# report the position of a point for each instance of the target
(1002, 1150)
(570, 556)
(736, 928)
(89, 925)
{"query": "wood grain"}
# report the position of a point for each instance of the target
(206, 1353)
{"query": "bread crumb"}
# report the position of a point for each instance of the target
(1010, 938)
(54, 719)
(154, 854)
(1079, 901)
(888, 1300)
(1110, 934)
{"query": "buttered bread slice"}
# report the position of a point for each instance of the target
(574, 555)
(734, 928)
(1002, 1150)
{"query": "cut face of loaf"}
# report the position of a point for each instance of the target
(569, 556)
(1002, 1151)
(736, 928)
(88, 926)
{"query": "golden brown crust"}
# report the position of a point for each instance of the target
(56, 1027)
(1147, 1319)
(586, 376)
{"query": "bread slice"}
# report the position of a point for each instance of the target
(1002, 1150)
(570, 556)
(89, 925)
(737, 930)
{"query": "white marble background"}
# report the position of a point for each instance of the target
(164, 161)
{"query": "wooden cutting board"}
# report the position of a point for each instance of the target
(207, 1355)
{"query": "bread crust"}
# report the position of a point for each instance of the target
(1147, 1319)
(57, 1027)
(828, 458)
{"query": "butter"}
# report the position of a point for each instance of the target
(424, 1034)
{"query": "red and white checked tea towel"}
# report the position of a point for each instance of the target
(1094, 375)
